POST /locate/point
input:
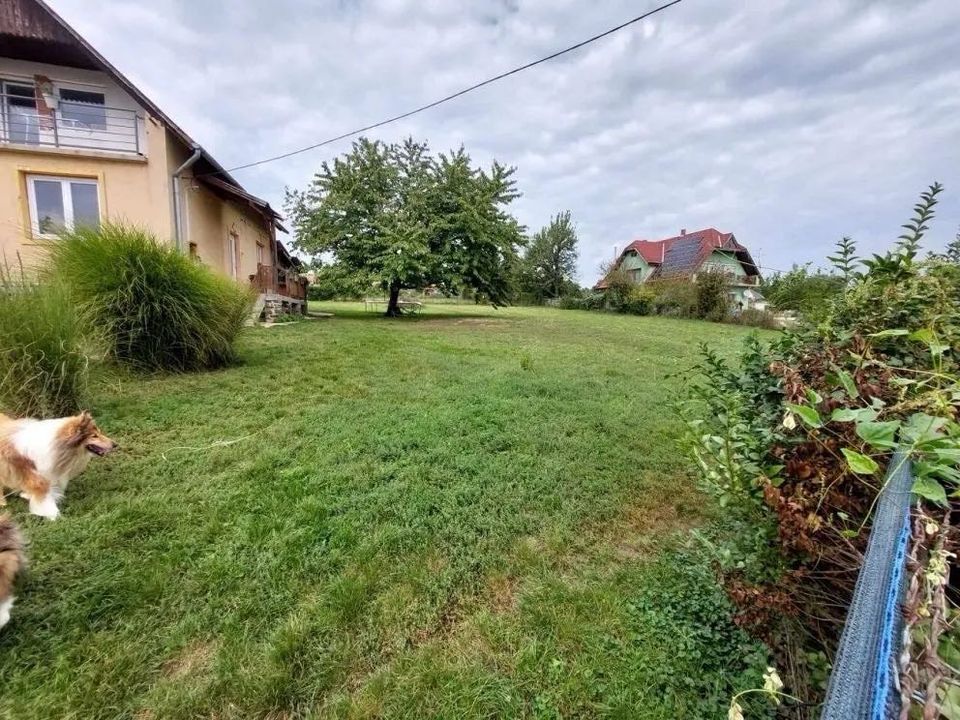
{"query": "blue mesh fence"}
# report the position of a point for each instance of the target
(864, 684)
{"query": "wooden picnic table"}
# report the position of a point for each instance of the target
(407, 307)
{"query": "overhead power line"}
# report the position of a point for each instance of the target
(457, 94)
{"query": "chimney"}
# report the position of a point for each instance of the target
(683, 231)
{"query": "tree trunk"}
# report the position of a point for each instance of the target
(393, 307)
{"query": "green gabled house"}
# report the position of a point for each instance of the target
(686, 254)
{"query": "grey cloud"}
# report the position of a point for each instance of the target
(787, 122)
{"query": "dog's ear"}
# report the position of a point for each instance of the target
(78, 428)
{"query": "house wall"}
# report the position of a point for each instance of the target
(209, 221)
(251, 231)
(738, 298)
(725, 262)
(634, 263)
(741, 297)
(747, 298)
(133, 188)
(203, 225)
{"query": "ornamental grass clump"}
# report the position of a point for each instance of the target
(152, 307)
(43, 367)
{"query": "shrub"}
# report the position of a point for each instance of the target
(926, 298)
(804, 292)
(43, 369)
(593, 301)
(713, 300)
(676, 298)
(794, 443)
(756, 318)
(590, 301)
(571, 303)
(620, 284)
(154, 308)
(639, 301)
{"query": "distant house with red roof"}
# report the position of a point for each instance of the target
(686, 254)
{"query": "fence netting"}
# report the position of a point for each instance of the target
(864, 684)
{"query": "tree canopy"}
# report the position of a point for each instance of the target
(550, 265)
(407, 219)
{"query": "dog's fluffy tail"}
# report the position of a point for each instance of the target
(11, 562)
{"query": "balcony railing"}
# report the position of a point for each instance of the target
(278, 281)
(71, 125)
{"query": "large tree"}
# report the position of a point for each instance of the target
(550, 265)
(408, 219)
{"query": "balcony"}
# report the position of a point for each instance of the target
(273, 280)
(74, 126)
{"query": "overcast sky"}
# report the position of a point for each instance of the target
(788, 123)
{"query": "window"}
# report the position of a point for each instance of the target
(233, 250)
(82, 109)
(19, 113)
(259, 253)
(194, 252)
(57, 203)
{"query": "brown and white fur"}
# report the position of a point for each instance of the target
(11, 562)
(40, 457)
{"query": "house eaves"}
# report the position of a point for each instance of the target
(220, 187)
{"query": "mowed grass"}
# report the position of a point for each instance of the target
(473, 513)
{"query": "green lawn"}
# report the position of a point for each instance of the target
(472, 513)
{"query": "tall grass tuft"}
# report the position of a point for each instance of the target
(154, 307)
(43, 368)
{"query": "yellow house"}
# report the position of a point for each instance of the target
(79, 143)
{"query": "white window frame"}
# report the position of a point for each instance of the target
(65, 182)
(233, 250)
(6, 113)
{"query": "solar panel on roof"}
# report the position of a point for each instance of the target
(682, 257)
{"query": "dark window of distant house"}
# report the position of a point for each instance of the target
(85, 108)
